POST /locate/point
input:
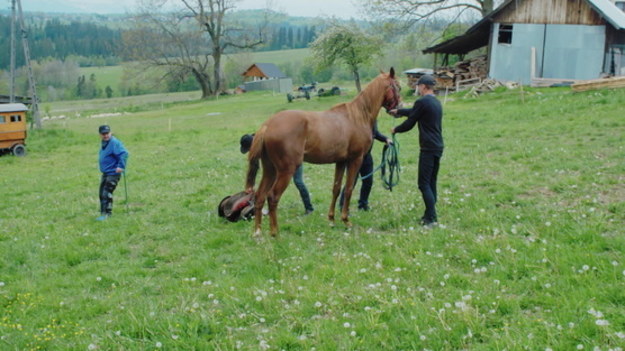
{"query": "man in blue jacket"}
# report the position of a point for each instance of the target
(113, 156)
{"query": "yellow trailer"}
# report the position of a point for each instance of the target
(13, 129)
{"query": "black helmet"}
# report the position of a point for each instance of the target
(427, 80)
(246, 142)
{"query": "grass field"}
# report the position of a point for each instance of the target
(530, 257)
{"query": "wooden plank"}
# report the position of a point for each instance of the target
(615, 82)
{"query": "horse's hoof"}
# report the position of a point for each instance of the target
(258, 235)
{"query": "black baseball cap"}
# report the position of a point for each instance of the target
(104, 129)
(246, 142)
(427, 80)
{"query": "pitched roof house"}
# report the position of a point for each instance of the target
(547, 39)
(263, 71)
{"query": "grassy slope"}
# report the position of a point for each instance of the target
(531, 195)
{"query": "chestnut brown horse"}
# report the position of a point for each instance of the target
(341, 135)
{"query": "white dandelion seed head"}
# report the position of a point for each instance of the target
(602, 322)
(158, 345)
(580, 347)
(92, 347)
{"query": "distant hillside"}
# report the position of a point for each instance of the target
(57, 38)
(95, 39)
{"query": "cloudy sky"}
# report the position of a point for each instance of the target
(309, 8)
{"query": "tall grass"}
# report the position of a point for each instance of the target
(530, 256)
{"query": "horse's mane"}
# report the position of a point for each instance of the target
(366, 104)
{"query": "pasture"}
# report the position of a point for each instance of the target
(530, 257)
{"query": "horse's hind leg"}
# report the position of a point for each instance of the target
(282, 181)
(264, 188)
(336, 188)
(352, 172)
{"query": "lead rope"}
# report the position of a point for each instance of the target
(389, 161)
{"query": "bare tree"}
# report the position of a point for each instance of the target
(189, 37)
(412, 11)
(210, 15)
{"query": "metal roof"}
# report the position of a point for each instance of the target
(477, 36)
(13, 108)
(419, 70)
(609, 12)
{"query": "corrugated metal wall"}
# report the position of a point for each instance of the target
(282, 85)
(562, 51)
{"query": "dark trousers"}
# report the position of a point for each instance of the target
(108, 183)
(365, 189)
(429, 163)
(298, 180)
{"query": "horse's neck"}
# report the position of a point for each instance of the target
(367, 104)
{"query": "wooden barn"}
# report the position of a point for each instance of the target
(266, 76)
(541, 42)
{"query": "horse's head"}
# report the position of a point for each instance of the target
(392, 96)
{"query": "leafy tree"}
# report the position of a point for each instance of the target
(345, 44)
(108, 91)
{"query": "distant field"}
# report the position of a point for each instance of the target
(531, 254)
(111, 75)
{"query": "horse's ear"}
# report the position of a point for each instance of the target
(392, 73)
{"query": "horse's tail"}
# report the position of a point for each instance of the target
(253, 156)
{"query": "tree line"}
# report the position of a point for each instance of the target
(96, 44)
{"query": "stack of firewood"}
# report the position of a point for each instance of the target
(471, 70)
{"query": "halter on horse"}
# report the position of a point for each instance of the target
(341, 135)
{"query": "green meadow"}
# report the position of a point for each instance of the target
(529, 256)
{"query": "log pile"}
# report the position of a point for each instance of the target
(467, 72)
(614, 82)
(489, 85)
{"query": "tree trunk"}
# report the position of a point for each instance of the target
(205, 83)
(217, 70)
(487, 7)
(357, 79)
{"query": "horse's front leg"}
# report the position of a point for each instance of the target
(336, 188)
(352, 172)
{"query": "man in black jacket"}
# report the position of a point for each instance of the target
(427, 112)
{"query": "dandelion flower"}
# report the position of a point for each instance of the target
(158, 345)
